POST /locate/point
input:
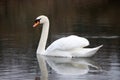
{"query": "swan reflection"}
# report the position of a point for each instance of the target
(66, 66)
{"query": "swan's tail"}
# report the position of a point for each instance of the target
(98, 47)
(85, 52)
(94, 50)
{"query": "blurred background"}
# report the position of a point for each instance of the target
(97, 20)
(82, 17)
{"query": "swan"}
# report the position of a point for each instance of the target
(71, 46)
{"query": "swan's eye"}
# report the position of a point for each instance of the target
(37, 20)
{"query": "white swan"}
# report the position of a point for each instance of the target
(71, 46)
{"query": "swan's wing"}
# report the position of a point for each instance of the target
(68, 43)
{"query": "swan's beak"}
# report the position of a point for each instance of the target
(36, 24)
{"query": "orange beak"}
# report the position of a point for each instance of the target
(36, 24)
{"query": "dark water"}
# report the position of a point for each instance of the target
(18, 63)
(99, 21)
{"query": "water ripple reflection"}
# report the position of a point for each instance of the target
(20, 63)
(67, 66)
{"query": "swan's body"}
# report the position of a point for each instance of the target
(71, 46)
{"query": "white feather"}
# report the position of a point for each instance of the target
(71, 46)
(68, 43)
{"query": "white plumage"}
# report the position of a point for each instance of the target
(68, 43)
(71, 46)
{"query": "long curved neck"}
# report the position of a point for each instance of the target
(43, 39)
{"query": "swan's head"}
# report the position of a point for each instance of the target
(40, 20)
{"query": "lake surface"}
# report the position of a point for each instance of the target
(98, 21)
(18, 63)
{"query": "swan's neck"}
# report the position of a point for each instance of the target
(43, 39)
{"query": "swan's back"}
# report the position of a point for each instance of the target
(68, 43)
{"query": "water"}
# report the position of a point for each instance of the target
(96, 20)
(18, 63)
